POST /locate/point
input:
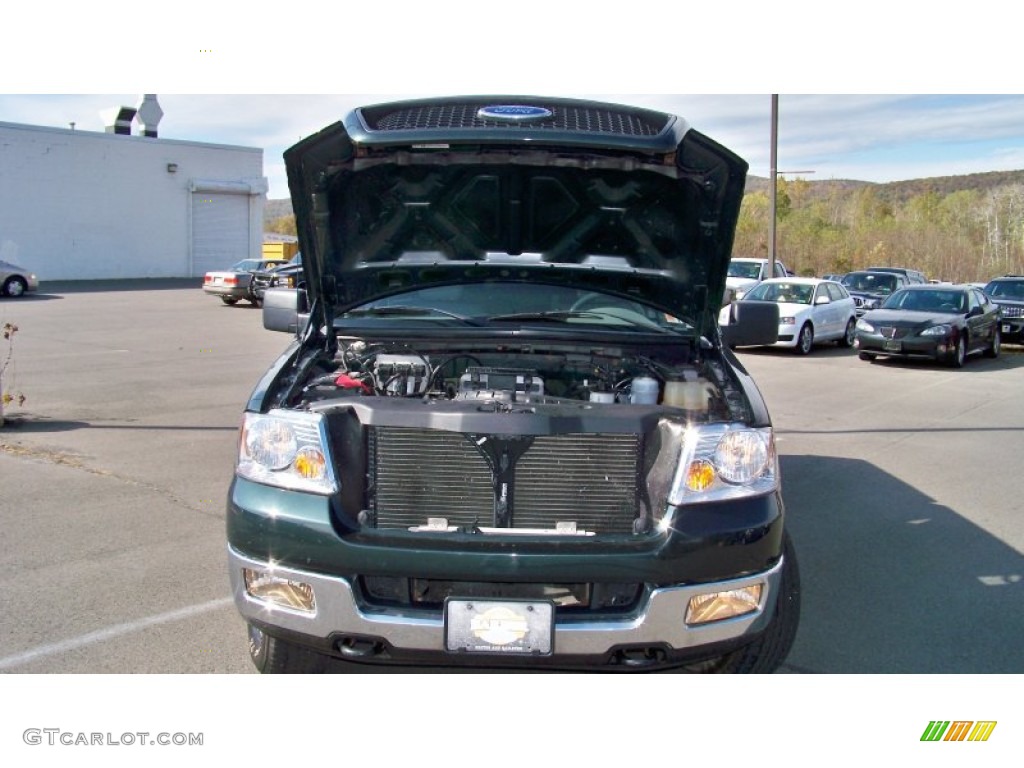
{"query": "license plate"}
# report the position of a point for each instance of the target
(510, 627)
(893, 346)
(1006, 328)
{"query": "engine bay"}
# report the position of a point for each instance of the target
(533, 375)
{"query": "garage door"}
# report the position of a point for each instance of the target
(220, 230)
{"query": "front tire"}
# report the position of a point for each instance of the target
(271, 655)
(805, 341)
(849, 335)
(14, 287)
(960, 353)
(769, 651)
(996, 346)
(866, 356)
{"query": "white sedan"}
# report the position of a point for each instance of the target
(810, 311)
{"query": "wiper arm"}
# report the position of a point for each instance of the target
(404, 311)
(567, 315)
(560, 315)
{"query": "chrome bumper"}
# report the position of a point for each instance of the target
(660, 620)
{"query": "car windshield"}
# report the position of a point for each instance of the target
(480, 304)
(745, 269)
(785, 293)
(1006, 289)
(247, 265)
(870, 283)
(928, 301)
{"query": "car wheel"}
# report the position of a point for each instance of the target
(271, 655)
(229, 300)
(767, 653)
(866, 356)
(850, 335)
(805, 341)
(14, 287)
(960, 353)
(996, 346)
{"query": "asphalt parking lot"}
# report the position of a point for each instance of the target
(900, 480)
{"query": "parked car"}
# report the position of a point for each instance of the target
(837, 277)
(810, 311)
(869, 289)
(934, 322)
(511, 441)
(914, 276)
(1008, 293)
(287, 275)
(745, 273)
(234, 284)
(16, 281)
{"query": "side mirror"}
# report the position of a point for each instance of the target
(823, 300)
(752, 323)
(974, 311)
(285, 310)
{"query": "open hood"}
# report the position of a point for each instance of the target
(444, 191)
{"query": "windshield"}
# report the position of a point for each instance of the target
(247, 265)
(870, 283)
(785, 293)
(480, 304)
(750, 270)
(950, 302)
(1006, 289)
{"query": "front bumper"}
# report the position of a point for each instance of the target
(340, 623)
(1012, 329)
(920, 347)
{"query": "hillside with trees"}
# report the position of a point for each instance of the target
(958, 228)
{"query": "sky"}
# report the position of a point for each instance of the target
(873, 92)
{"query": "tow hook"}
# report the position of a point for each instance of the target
(644, 656)
(360, 647)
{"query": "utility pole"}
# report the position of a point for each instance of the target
(773, 186)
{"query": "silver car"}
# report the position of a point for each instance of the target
(15, 280)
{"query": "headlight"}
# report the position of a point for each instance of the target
(724, 461)
(787, 321)
(864, 325)
(287, 450)
(938, 330)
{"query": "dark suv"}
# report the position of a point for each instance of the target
(509, 433)
(1008, 293)
(870, 288)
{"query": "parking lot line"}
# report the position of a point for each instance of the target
(109, 633)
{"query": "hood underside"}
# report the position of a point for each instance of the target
(448, 191)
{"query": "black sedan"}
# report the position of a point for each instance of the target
(945, 323)
(287, 275)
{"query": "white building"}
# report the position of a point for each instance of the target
(82, 205)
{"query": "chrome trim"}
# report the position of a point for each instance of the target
(659, 620)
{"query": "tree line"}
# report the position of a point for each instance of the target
(962, 235)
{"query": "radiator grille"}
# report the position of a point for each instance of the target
(589, 479)
(586, 119)
(426, 473)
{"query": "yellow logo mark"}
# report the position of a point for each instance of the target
(499, 626)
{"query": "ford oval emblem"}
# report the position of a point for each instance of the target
(513, 113)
